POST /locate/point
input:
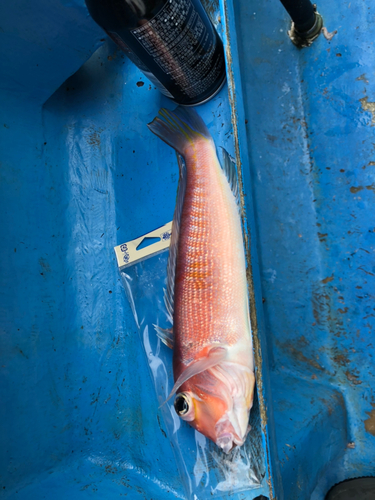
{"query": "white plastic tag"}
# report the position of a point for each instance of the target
(127, 253)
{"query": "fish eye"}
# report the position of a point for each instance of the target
(181, 404)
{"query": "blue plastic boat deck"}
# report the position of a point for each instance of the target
(81, 173)
(309, 117)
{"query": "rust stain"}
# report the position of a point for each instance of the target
(328, 279)
(328, 405)
(94, 139)
(341, 359)
(363, 78)
(110, 469)
(353, 379)
(298, 355)
(368, 106)
(324, 313)
(370, 422)
(321, 306)
(355, 189)
(343, 311)
(322, 236)
(113, 56)
(371, 187)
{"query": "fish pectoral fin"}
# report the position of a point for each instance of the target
(229, 169)
(215, 356)
(165, 335)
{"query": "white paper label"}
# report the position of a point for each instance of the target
(127, 253)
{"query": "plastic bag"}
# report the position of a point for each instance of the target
(206, 471)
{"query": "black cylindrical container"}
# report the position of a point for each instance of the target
(173, 42)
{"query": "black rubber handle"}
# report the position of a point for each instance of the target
(302, 13)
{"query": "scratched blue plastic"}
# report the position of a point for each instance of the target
(309, 134)
(80, 173)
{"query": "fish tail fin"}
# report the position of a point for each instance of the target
(179, 128)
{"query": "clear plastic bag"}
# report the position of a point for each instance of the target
(206, 471)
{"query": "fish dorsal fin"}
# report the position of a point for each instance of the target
(173, 247)
(230, 171)
(214, 357)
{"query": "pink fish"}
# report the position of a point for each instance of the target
(207, 290)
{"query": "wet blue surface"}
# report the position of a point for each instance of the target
(310, 139)
(81, 173)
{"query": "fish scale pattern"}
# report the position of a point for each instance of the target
(210, 289)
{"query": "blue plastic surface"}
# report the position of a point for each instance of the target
(306, 132)
(80, 173)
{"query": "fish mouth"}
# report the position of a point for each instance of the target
(231, 430)
(225, 442)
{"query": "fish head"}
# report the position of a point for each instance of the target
(217, 403)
